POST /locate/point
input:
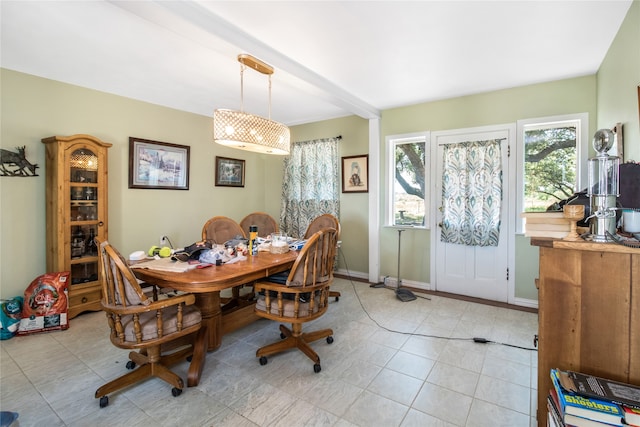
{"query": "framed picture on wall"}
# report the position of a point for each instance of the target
(158, 165)
(618, 145)
(229, 172)
(355, 174)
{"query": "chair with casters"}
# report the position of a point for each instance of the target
(318, 223)
(302, 298)
(266, 224)
(162, 330)
(219, 229)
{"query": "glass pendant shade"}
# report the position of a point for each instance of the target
(250, 132)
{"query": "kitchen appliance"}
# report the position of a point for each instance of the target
(603, 191)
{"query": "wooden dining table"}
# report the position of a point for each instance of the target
(206, 284)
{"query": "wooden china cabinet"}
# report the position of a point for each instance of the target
(76, 198)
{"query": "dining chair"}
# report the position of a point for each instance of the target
(318, 223)
(162, 328)
(265, 222)
(302, 298)
(219, 229)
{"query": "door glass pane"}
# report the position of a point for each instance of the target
(83, 214)
(84, 166)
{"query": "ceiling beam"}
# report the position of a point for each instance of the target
(205, 20)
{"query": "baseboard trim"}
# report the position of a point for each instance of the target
(521, 304)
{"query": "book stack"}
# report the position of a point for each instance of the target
(546, 224)
(580, 400)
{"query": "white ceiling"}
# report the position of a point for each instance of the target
(332, 58)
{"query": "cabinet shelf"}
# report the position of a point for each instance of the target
(84, 259)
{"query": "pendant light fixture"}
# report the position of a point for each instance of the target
(246, 131)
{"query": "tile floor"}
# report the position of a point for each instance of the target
(371, 375)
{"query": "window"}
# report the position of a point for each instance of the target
(407, 189)
(552, 160)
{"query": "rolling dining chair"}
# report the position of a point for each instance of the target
(152, 326)
(318, 223)
(219, 229)
(302, 298)
(265, 222)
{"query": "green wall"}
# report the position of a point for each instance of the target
(354, 214)
(576, 95)
(618, 82)
(32, 108)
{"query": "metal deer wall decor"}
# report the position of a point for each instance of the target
(16, 164)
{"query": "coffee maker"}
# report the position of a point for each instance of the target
(603, 188)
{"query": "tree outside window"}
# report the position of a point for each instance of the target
(407, 189)
(550, 164)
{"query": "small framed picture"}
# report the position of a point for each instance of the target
(355, 174)
(158, 165)
(229, 172)
(618, 145)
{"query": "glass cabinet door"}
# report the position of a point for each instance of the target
(84, 215)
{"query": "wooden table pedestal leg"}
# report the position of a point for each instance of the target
(209, 337)
(209, 305)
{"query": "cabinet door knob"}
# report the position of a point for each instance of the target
(84, 300)
(100, 224)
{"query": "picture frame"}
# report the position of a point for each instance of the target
(158, 165)
(229, 172)
(355, 174)
(618, 145)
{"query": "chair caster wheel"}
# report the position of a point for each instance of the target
(189, 359)
(337, 299)
(175, 392)
(329, 340)
(282, 336)
(104, 401)
(317, 368)
(263, 360)
(131, 364)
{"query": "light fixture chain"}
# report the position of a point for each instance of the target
(242, 68)
(269, 96)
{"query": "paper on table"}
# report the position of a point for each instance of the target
(166, 264)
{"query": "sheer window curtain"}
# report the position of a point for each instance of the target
(310, 186)
(472, 193)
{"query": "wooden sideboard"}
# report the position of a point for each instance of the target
(589, 312)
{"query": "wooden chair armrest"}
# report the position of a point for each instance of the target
(186, 299)
(276, 287)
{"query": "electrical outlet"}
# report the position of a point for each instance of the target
(163, 240)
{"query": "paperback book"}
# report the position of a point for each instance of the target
(631, 416)
(571, 404)
(554, 417)
(600, 388)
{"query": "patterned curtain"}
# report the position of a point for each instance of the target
(472, 193)
(310, 186)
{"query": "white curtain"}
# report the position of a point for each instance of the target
(310, 186)
(472, 193)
